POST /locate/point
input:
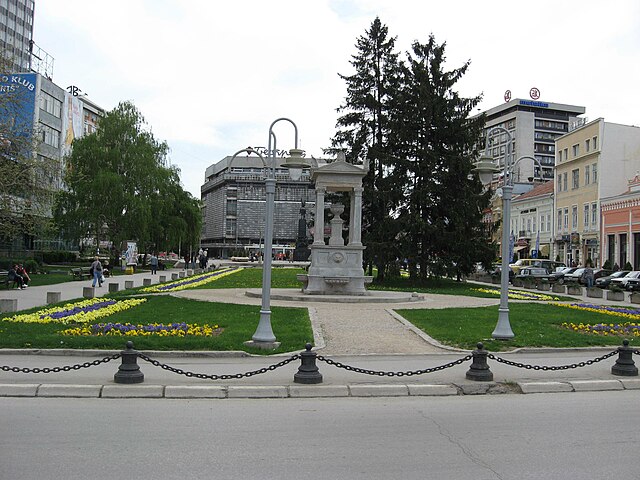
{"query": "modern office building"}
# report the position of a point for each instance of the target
(533, 126)
(16, 33)
(593, 162)
(233, 198)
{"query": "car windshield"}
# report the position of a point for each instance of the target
(618, 274)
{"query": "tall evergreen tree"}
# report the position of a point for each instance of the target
(436, 137)
(363, 130)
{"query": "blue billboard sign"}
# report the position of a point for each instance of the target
(18, 102)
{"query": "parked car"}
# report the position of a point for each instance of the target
(597, 273)
(623, 281)
(603, 282)
(633, 285)
(559, 275)
(497, 271)
(535, 273)
(574, 277)
(549, 265)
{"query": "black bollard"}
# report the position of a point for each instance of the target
(479, 370)
(129, 370)
(308, 372)
(624, 364)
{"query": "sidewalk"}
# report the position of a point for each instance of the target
(367, 336)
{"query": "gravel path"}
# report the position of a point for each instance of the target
(356, 328)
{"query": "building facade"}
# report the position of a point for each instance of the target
(16, 33)
(620, 231)
(594, 161)
(233, 198)
(533, 126)
(532, 221)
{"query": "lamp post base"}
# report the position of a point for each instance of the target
(262, 345)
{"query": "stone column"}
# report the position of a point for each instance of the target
(318, 236)
(352, 213)
(355, 228)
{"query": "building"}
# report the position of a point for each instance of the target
(233, 198)
(532, 221)
(16, 33)
(620, 229)
(534, 126)
(594, 161)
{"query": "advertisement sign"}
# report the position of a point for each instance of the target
(72, 121)
(18, 101)
(130, 253)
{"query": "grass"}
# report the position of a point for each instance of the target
(290, 325)
(534, 325)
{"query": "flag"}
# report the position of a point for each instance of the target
(512, 241)
(538, 245)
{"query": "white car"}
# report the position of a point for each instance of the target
(622, 282)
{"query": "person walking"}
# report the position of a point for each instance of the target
(588, 275)
(153, 262)
(96, 268)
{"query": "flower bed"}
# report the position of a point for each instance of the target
(628, 313)
(191, 282)
(79, 312)
(519, 294)
(605, 329)
(157, 329)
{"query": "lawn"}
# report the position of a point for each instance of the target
(534, 325)
(238, 323)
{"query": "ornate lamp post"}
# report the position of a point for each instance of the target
(486, 167)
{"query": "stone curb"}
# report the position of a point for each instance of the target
(311, 391)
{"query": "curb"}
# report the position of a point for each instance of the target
(311, 391)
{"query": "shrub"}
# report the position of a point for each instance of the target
(627, 266)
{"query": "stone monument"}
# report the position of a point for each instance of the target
(336, 268)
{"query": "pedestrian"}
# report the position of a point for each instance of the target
(588, 275)
(13, 276)
(96, 268)
(153, 262)
(20, 270)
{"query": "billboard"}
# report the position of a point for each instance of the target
(72, 121)
(17, 102)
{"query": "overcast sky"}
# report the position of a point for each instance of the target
(211, 76)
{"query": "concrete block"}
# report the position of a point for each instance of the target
(114, 287)
(195, 391)
(596, 385)
(574, 290)
(310, 391)
(634, 297)
(146, 282)
(78, 391)
(189, 272)
(162, 278)
(132, 391)
(8, 305)
(257, 392)
(174, 276)
(88, 292)
(630, 383)
(615, 296)
(557, 288)
(54, 297)
(480, 388)
(128, 284)
(378, 390)
(24, 390)
(545, 387)
(432, 390)
(182, 274)
(594, 292)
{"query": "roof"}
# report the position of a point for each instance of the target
(538, 191)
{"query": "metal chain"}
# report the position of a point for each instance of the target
(218, 377)
(393, 374)
(637, 352)
(66, 368)
(551, 368)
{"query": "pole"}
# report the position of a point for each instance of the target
(503, 328)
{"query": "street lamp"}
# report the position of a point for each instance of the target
(263, 336)
(486, 167)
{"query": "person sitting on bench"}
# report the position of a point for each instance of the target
(14, 277)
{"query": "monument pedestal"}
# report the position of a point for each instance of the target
(335, 270)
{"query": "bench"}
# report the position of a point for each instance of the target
(4, 280)
(80, 273)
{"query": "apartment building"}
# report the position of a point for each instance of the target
(594, 161)
(532, 221)
(16, 33)
(533, 127)
(620, 229)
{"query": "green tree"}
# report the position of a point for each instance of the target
(27, 178)
(117, 176)
(435, 136)
(363, 129)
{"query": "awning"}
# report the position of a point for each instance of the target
(517, 249)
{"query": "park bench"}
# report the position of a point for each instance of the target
(4, 280)
(80, 273)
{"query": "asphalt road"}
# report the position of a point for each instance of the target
(591, 435)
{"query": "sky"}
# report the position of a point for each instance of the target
(210, 77)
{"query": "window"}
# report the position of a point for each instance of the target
(566, 219)
(559, 220)
(50, 104)
(575, 150)
(575, 178)
(594, 173)
(230, 229)
(548, 222)
(595, 143)
(586, 216)
(586, 175)
(587, 143)
(566, 153)
(232, 207)
(50, 136)
(533, 224)
(564, 181)
(574, 217)
(542, 223)
(559, 182)
(594, 215)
